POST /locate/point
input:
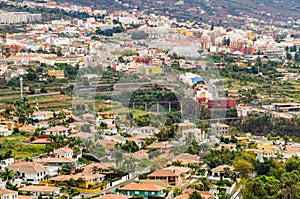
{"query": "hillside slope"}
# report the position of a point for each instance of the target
(215, 10)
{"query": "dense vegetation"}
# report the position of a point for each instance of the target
(265, 124)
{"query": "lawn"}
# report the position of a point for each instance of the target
(20, 148)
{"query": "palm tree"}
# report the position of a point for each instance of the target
(289, 184)
(47, 177)
(7, 174)
(118, 155)
(177, 163)
(205, 183)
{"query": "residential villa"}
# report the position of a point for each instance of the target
(57, 130)
(100, 166)
(162, 146)
(220, 129)
(172, 175)
(187, 159)
(204, 194)
(145, 190)
(113, 196)
(8, 194)
(56, 161)
(42, 115)
(186, 125)
(219, 172)
(86, 179)
(29, 171)
(64, 152)
(41, 191)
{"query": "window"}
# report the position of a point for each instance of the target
(136, 192)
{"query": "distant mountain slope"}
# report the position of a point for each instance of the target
(214, 9)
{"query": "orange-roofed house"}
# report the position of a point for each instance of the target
(64, 152)
(26, 197)
(187, 159)
(221, 172)
(98, 166)
(42, 115)
(29, 171)
(170, 176)
(204, 194)
(57, 130)
(145, 190)
(113, 196)
(57, 161)
(162, 146)
(87, 179)
(43, 191)
(8, 194)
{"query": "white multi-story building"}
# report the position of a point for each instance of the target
(42, 115)
(18, 17)
(64, 152)
(29, 171)
(57, 130)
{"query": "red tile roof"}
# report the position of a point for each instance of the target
(142, 187)
(113, 196)
(163, 173)
(6, 192)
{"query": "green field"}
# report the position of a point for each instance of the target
(21, 147)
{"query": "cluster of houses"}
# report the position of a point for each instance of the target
(44, 176)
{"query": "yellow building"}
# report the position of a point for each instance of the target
(82, 180)
(58, 74)
(152, 70)
(185, 32)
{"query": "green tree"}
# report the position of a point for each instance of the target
(7, 174)
(243, 166)
(290, 185)
(195, 195)
(177, 191)
(43, 90)
(72, 183)
(117, 154)
(289, 56)
(128, 164)
(177, 163)
(292, 164)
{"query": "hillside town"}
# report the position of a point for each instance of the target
(126, 104)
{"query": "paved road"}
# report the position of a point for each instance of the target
(237, 194)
